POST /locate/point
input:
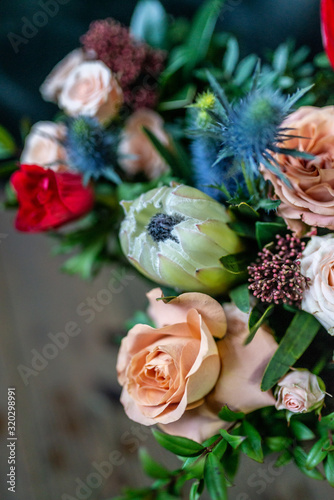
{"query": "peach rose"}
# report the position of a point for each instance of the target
(299, 392)
(239, 381)
(44, 146)
(92, 90)
(136, 152)
(54, 82)
(310, 198)
(167, 369)
(317, 264)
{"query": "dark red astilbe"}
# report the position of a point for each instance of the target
(276, 276)
(136, 64)
(327, 28)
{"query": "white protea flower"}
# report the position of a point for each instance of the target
(176, 236)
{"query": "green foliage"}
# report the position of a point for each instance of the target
(297, 338)
(252, 446)
(214, 478)
(149, 23)
(7, 144)
(256, 319)
(240, 296)
(236, 263)
(230, 416)
(178, 445)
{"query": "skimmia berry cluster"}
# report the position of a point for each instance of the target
(276, 275)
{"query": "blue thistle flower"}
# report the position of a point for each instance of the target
(91, 149)
(250, 132)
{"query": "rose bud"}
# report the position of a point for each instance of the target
(176, 236)
(44, 146)
(300, 391)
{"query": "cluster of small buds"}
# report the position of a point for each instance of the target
(136, 64)
(275, 276)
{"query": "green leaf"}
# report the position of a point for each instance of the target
(220, 449)
(7, 144)
(300, 333)
(240, 296)
(214, 478)
(301, 431)
(283, 459)
(179, 100)
(252, 447)
(327, 421)
(85, 262)
(178, 445)
(267, 204)
(256, 319)
(234, 441)
(236, 263)
(281, 58)
(230, 462)
(231, 57)
(229, 415)
(329, 468)
(300, 458)
(278, 443)
(266, 232)
(242, 229)
(201, 32)
(151, 467)
(246, 210)
(196, 490)
(317, 454)
(149, 23)
(245, 69)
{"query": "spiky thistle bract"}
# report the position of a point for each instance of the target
(91, 149)
(250, 130)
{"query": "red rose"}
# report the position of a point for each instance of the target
(48, 199)
(327, 28)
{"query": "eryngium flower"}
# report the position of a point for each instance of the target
(176, 236)
(91, 150)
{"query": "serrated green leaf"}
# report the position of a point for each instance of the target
(301, 431)
(178, 445)
(317, 454)
(236, 263)
(231, 57)
(329, 468)
(149, 23)
(252, 447)
(266, 232)
(300, 333)
(256, 319)
(229, 415)
(151, 467)
(267, 204)
(214, 478)
(240, 296)
(234, 441)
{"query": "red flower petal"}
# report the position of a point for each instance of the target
(49, 199)
(327, 28)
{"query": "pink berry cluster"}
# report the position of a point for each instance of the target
(136, 64)
(275, 276)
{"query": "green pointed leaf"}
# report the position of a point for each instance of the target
(327, 421)
(240, 296)
(242, 229)
(196, 490)
(281, 58)
(329, 468)
(214, 478)
(278, 443)
(220, 449)
(268, 205)
(266, 232)
(300, 333)
(229, 415)
(234, 441)
(231, 57)
(149, 23)
(300, 458)
(246, 210)
(301, 431)
(244, 69)
(7, 144)
(317, 453)
(151, 467)
(179, 100)
(256, 319)
(252, 447)
(236, 263)
(178, 445)
(283, 459)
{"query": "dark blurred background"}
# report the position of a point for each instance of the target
(258, 24)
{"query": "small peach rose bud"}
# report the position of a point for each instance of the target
(300, 391)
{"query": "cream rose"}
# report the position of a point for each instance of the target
(300, 392)
(310, 197)
(54, 82)
(44, 146)
(317, 264)
(239, 381)
(167, 369)
(136, 152)
(92, 90)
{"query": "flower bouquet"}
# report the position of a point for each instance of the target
(213, 177)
